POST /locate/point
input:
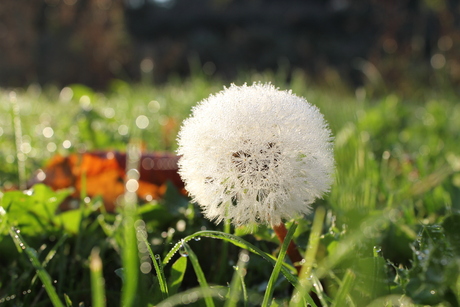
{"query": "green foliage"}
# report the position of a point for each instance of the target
(390, 233)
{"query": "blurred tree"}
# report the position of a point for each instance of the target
(62, 42)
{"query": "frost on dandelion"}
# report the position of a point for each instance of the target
(255, 154)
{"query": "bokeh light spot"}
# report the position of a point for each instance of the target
(109, 112)
(147, 65)
(66, 144)
(132, 185)
(438, 61)
(142, 121)
(146, 267)
(154, 106)
(123, 130)
(48, 132)
(51, 147)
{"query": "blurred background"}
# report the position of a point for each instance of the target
(398, 44)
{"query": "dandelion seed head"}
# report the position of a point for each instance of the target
(255, 154)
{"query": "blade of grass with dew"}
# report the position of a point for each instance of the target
(159, 270)
(276, 270)
(237, 241)
(97, 279)
(345, 246)
(342, 294)
(199, 275)
(310, 255)
(41, 272)
(237, 284)
(51, 254)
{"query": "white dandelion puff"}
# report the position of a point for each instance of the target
(255, 154)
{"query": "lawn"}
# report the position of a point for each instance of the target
(387, 234)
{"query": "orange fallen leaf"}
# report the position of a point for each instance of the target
(103, 173)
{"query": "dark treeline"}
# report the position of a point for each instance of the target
(95, 41)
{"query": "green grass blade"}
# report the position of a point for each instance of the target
(199, 275)
(68, 301)
(237, 284)
(129, 255)
(51, 254)
(310, 256)
(237, 241)
(42, 273)
(276, 270)
(344, 290)
(191, 296)
(97, 279)
(158, 265)
(177, 275)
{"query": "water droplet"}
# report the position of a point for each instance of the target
(183, 250)
(301, 262)
(29, 192)
(197, 239)
(377, 251)
(157, 257)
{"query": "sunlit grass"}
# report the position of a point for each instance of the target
(389, 235)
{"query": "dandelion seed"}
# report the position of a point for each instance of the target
(255, 154)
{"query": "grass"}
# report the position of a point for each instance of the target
(389, 236)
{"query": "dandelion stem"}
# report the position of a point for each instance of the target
(292, 250)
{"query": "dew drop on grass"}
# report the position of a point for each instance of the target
(377, 251)
(183, 250)
(29, 192)
(197, 239)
